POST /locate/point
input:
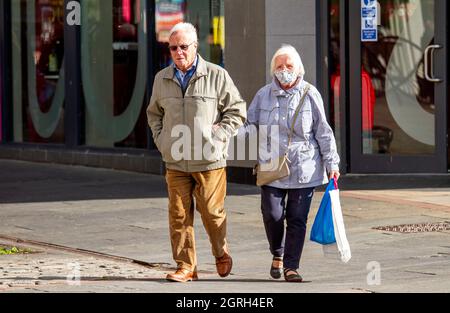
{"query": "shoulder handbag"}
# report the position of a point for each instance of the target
(278, 168)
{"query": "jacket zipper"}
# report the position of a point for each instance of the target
(186, 164)
(191, 81)
(184, 116)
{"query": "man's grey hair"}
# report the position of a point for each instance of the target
(188, 28)
(295, 56)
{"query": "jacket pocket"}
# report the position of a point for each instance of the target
(201, 108)
(165, 143)
(306, 121)
(214, 149)
(268, 116)
(310, 165)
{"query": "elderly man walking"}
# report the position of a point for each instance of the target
(194, 110)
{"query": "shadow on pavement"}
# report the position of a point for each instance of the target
(22, 182)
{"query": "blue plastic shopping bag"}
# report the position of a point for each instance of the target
(323, 229)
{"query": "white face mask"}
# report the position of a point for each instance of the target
(286, 77)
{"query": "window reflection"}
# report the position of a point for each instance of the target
(395, 93)
(335, 69)
(1, 104)
(127, 17)
(38, 81)
(206, 15)
(113, 64)
(114, 72)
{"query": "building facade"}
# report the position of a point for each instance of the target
(76, 76)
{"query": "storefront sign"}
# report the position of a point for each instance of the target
(369, 20)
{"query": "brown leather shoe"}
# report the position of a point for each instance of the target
(182, 275)
(224, 265)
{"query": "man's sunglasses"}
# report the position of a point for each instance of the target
(182, 47)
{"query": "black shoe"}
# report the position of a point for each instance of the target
(275, 272)
(292, 278)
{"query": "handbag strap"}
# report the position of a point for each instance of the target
(302, 101)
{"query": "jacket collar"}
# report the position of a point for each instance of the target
(200, 71)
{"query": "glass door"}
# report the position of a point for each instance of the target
(398, 97)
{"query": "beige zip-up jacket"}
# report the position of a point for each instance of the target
(182, 126)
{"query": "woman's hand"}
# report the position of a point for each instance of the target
(335, 175)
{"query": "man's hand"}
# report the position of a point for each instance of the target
(215, 127)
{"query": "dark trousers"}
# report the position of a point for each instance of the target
(275, 210)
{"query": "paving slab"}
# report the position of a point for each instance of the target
(125, 214)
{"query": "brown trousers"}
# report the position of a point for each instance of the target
(209, 190)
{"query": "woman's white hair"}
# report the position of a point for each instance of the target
(293, 54)
(188, 28)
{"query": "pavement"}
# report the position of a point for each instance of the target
(99, 230)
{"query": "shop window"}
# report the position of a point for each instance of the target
(1, 105)
(38, 71)
(208, 18)
(114, 72)
(335, 69)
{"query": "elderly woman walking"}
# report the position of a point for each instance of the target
(311, 152)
